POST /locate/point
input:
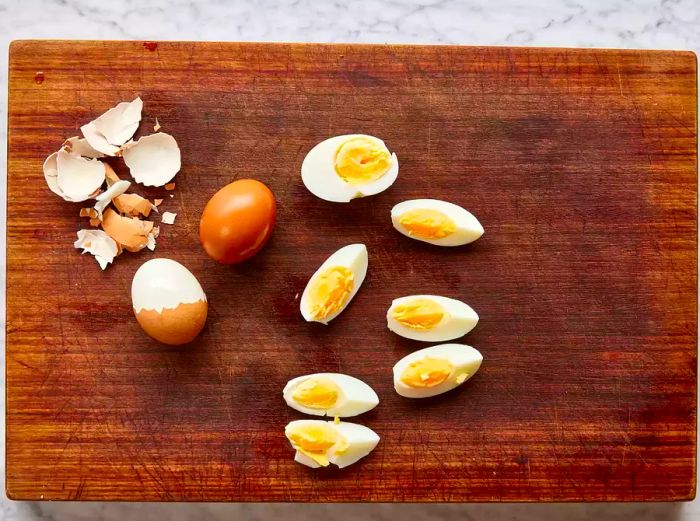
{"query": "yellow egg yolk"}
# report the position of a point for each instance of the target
(313, 440)
(330, 291)
(316, 393)
(420, 313)
(427, 224)
(362, 160)
(427, 372)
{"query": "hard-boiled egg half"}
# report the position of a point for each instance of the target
(436, 222)
(430, 318)
(329, 394)
(168, 301)
(319, 443)
(343, 168)
(334, 284)
(435, 370)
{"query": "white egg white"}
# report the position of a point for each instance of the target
(353, 257)
(355, 396)
(468, 228)
(164, 284)
(319, 175)
(359, 441)
(465, 361)
(458, 320)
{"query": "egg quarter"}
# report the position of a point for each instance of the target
(329, 394)
(430, 318)
(436, 222)
(435, 370)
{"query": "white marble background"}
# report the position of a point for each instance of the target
(666, 24)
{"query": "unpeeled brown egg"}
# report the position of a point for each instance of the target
(168, 301)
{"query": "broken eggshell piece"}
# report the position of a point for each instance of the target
(115, 127)
(133, 205)
(77, 178)
(99, 244)
(80, 147)
(132, 233)
(153, 160)
(168, 301)
(108, 195)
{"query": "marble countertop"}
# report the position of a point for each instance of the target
(665, 24)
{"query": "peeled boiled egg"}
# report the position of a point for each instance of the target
(329, 394)
(168, 301)
(343, 168)
(319, 443)
(430, 318)
(331, 288)
(436, 222)
(435, 370)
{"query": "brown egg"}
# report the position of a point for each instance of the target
(168, 301)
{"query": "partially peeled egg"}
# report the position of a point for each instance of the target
(168, 301)
(343, 168)
(436, 222)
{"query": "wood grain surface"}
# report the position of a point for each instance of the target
(582, 167)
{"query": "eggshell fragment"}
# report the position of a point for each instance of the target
(99, 244)
(77, 178)
(114, 128)
(108, 195)
(133, 205)
(170, 186)
(111, 175)
(153, 160)
(51, 175)
(168, 218)
(130, 232)
(81, 147)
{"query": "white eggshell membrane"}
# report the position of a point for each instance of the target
(468, 228)
(106, 197)
(353, 257)
(457, 321)
(360, 441)
(168, 217)
(153, 160)
(114, 128)
(81, 147)
(99, 244)
(465, 361)
(77, 178)
(354, 396)
(164, 284)
(319, 175)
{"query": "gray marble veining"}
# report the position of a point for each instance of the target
(665, 24)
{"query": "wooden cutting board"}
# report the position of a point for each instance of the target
(582, 167)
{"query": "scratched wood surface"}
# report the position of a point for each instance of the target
(582, 166)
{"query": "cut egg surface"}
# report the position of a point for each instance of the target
(331, 288)
(430, 318)
(169, 303)
(435, 370)
(319, 443)
(330, 394)
(343, 168)
(436, 222)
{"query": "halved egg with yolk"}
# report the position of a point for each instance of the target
(330, 394)
(436, 222)
(319, 443)
(343, 168)
(435, 370)
(331, 288)
(430, 318)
